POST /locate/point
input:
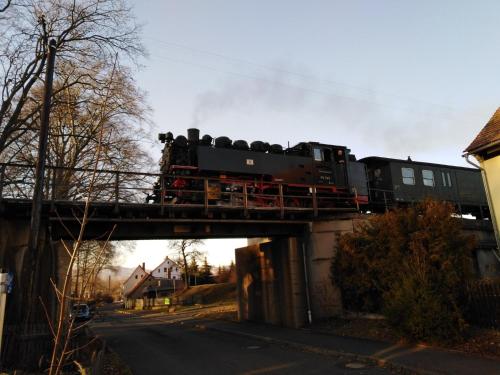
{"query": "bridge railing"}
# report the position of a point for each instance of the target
(206, 192)
(72, 184)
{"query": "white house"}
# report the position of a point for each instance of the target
(136, 276)
(168, 269)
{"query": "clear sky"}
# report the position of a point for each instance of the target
(388, 78)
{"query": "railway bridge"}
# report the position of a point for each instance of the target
(283, 275)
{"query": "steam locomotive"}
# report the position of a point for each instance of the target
(260, 174)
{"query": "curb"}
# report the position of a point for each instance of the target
(406, 370)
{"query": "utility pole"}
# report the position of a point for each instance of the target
(3, 302)
(36, 206)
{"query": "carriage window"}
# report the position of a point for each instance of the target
(428, 177)
(408, 176)
(318, 155)
(443, 175)
(449, 179)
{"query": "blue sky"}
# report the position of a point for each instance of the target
(387, 78)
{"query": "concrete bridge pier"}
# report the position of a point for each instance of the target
(26, 336)
(286, 280)
(270, 282)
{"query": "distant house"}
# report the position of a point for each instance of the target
(168, 269)
(135, 278)
(146, 289)
(486, 149)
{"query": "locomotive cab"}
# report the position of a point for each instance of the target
(329, 163)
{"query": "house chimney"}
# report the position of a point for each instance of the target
(144, 266)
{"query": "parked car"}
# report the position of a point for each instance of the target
(80, 312)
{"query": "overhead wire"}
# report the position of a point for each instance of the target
(446, 110)
(299, 87)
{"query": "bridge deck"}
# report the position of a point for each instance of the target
(154, 221)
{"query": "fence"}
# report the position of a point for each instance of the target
(484, 303)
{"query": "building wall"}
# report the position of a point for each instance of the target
(168, 269)
(492, 170)
(132, 281)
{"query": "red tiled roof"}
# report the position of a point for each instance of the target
(490, 134)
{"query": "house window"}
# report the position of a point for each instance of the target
(428, 177)
(408, 176)
(159, 270)
(164, 269)
(136, 276)
(318, 155)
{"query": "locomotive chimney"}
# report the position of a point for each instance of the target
(193, 135)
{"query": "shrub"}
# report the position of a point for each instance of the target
(411, 264)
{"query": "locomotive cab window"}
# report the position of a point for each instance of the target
(428, 177)
(318, 154)
(408, 176)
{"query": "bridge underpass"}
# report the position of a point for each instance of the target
(283, 275)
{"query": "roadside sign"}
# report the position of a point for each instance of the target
(9, 282)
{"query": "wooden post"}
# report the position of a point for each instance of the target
(356, 198)
(315, 202)
(282, 206)
(205, 188)
(162, 195)
(245, 200)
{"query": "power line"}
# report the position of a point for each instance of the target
(297, 74)
(296, 87)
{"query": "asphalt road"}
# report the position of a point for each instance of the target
(178, 344)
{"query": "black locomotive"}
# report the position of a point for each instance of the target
(260, 174)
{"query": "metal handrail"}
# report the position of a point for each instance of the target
(118, 187)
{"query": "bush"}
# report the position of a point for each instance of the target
(410, 264)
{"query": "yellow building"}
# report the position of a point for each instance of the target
(486, 149)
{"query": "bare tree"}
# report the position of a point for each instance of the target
(4, 7)
(92, 258)
(186, 250)
(88, 33)
(74, 131)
